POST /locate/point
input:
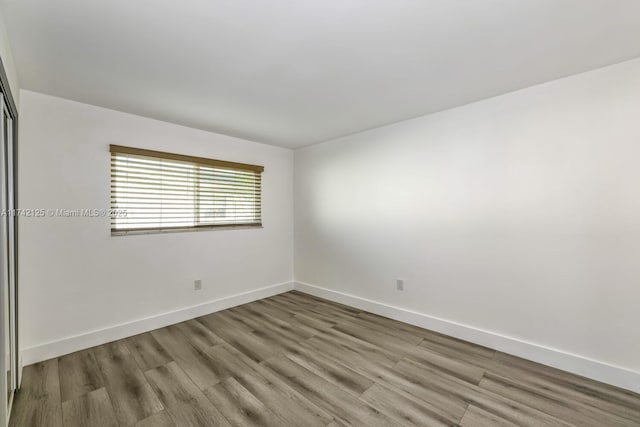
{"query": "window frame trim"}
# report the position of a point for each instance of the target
(184, 158)
(196, 161)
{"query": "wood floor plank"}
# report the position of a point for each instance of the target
(193, 415)
(286, 311)
(147, 352)
(405, 349)
(221, 323)
(375, 337)
(184, 401)
(38, 403)
(293, 326)
(344, 406)
(159, 419)
(302, 298)
(200, 336)
(321, 316)
(241, 407)
(405, 410)
(267, 306)
(448, 406)
(331, 339)
(203, 370)
(279, 342)
(478, 417)
(499, 405)
(251, 345)
(296, 303)
(392, 324)
(89, 410)
(463, 370)
(453, 343)
(270, 389)
(286, 336)
(289, 306)
(567, 391)
(234, 317)
(334, 372)
(614, 395)
(131, 395)
(460, 352)
(270, 329)
(318, 325)
(338, 316)
(432, 340)
(364, 344)
(387, 329)
(260, 320)
(566, 409)
(78, 374)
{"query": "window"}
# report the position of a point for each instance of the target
(153, 191)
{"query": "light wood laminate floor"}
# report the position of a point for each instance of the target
(296, 360)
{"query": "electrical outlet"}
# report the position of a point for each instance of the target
(197, 285)
(400, 284)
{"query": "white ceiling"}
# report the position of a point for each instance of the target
(297, 72)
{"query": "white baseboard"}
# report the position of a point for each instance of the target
(89, 339)
(580, 365)
(565, 361)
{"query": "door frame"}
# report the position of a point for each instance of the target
(12, 235)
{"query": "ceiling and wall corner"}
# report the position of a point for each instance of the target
(294, 73)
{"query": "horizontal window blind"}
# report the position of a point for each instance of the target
(152, 191)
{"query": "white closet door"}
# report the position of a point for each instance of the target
(7, 284)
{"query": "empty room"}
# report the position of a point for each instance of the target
(320, 213)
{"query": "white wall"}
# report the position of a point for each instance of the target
(7, 59)
(76, 278)
(518, 215)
